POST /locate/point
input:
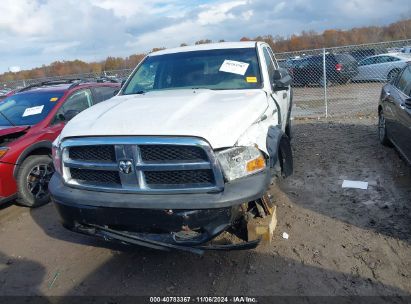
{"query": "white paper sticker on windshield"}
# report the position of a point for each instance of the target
(33, 111)
(235, 67)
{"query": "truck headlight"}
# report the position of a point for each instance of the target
(241, 161)
(56, 153)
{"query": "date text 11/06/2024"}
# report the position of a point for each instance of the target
(204, 299)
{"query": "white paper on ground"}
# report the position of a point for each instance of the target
(285, 235)
(235, 67)
(33, 111)
(355, 184)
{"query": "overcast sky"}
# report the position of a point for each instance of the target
(36, 32)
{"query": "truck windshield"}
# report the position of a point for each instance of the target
(221, 69)
(27, 108)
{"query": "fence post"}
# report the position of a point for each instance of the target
(325, 84)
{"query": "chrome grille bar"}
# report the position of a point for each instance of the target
(172, 166)
(91, 165)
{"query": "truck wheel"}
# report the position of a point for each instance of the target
(33, 179)
(382, 130)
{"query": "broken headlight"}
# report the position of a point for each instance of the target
(241, 161)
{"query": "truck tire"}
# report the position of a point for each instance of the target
(288, 129)
(32, 181)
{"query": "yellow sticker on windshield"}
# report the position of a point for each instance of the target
(251, 79)
(54, 99)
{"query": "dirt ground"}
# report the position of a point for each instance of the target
(341, 241)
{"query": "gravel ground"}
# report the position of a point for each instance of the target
(341, 241)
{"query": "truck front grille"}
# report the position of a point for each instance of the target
(175, 153)
(141, 164)
(179, 177)
(101, 176)
(93, 153)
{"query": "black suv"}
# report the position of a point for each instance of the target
(394, 111)
(340, 68)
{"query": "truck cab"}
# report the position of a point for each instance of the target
(184, 152)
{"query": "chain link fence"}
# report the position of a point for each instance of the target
(343, 81)
(330, 82)
(17, 84)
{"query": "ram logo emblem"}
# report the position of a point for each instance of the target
(125, 166)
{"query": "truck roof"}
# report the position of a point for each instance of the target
(208, 46)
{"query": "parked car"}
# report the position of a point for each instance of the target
(382, 67)
(360, 54)
(289, 63)
(340, 68)
(406, 49)
(185, 152)
(29, 122)
(6, 93)
(394, 111)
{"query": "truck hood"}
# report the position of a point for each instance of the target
(220, 117)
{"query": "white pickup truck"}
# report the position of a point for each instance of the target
(185, 151)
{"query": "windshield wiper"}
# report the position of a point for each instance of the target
(5, 117)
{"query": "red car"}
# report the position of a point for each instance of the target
(30, 120)
(4, 95)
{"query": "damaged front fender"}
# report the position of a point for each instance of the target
(271, 140)
(280, 152)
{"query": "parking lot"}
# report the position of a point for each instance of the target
(341, 241)
(346, 100)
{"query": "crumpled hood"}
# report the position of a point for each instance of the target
(220, 117)
(6, 130)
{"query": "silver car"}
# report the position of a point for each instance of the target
(383, 67)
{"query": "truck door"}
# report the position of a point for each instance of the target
(280, 97)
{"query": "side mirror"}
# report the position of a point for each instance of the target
(281, 80)
(61, 117)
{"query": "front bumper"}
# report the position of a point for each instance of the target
(237, 192)
(176, 219)
(8, 186)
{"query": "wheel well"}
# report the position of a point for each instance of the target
(39, 151)
(285, 156)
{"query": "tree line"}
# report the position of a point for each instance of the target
(306, 40)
